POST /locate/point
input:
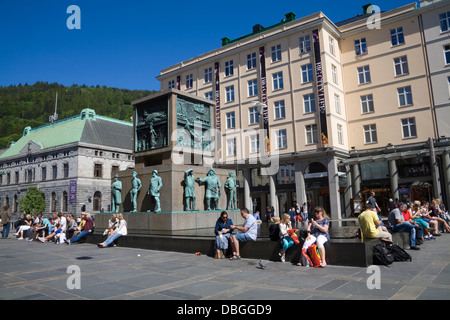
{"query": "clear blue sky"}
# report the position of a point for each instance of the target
(125, 44)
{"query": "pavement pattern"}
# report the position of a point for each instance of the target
(45, 271)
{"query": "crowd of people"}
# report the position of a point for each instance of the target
(423, 221)
(316, 232)
(60, 228)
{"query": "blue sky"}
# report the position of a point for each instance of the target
(125, 44)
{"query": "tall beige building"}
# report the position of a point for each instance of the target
(347, 108)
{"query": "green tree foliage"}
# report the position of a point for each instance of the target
(33, 202)
(31, 105)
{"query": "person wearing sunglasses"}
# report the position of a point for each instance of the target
(317, 231)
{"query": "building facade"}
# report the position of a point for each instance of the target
(347, 107)
(72, 161)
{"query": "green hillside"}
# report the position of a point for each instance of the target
(32, 105)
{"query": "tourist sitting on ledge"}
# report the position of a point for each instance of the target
(317, 231)
(286, 240)
(249, 232)
(371, 225)
(87, 229)
(223, 233)
(120, 230)
(397, 223)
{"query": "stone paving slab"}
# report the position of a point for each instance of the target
(38, 271)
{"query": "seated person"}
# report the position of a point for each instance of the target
(371, 225)
(121, 230)
(72, 226)
(41, 229)
(398, 224)
(274, 229)
(87, 229)
(317, 231)
(286, 239)
(223, 232)
(27, 223)
(249, 232)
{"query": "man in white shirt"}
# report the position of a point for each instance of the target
(249, 232)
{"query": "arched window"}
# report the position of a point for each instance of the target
(65, 201)
(97, 201)
(16, 202)
(53, 203)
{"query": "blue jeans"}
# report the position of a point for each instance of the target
(407, 227)
(79, 236)
(5, 231)
(111, 238)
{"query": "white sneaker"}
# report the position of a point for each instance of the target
(283, 259)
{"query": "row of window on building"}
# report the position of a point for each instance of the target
(56, 204)
(30, 174)
(408, 129)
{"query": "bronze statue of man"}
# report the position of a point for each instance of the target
(155, 186)
(213, 188)
(136, 185)
(116, 194)
(189, 192)
(231, 185)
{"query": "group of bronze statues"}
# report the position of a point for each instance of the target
(212, 194)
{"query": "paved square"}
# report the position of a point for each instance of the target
(37, 271)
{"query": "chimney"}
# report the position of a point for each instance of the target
(290, 16)
(368, 9)
(257, 28)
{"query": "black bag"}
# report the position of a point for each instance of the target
(399, 254)
(381, 255)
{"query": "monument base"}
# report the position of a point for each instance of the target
(147, 222)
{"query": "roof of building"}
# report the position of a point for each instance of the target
(86, 127)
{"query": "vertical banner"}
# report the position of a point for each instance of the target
(73, 191)
(218, 119)
(320, 89)
(178, 82)
(265, 111)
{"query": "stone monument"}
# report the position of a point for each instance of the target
(173, 138)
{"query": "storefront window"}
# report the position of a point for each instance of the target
(375, 171)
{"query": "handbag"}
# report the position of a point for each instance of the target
(219, 254)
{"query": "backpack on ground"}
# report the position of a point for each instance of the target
(399, 254)
(314, 254)
(381, 255)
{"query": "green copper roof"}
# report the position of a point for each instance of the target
(75, 129)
